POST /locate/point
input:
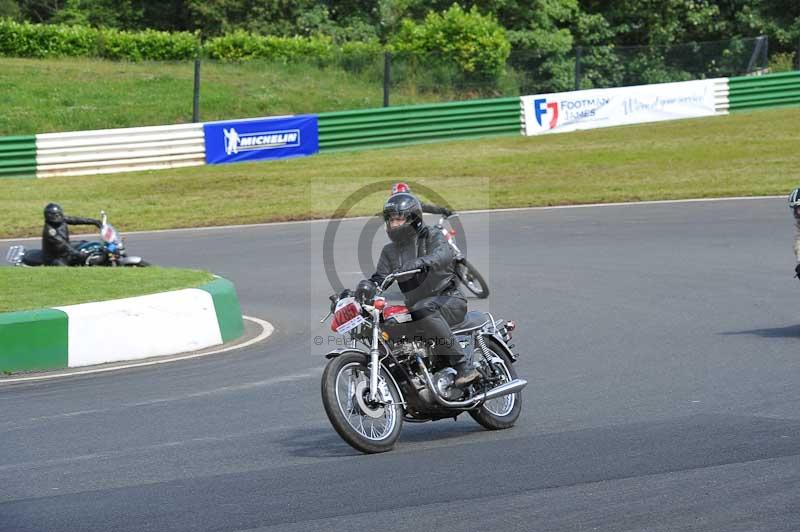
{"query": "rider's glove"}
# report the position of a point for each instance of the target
(797, 270)
(419, 264)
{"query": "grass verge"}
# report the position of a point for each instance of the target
(35, 288)
(52, 95)
(746, 154)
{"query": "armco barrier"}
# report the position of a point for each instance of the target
(18, 156)
(758, 92)
(394, 126)
(119, 150)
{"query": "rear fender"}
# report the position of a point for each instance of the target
(15, 255)
(497, 340)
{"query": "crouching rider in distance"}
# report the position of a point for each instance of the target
(432, 295)
(56, 247)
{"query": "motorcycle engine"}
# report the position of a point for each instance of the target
(405, 348)
(443, 381)
(95, 259)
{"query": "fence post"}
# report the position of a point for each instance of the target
(798, 54)
(578, 52)
(387, 76)
(759, 48)
(196, 98)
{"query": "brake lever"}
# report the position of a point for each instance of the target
(328, 315)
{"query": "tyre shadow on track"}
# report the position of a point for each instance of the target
(792, 331)
(325, 443)
(316, 443)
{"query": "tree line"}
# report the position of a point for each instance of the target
(544, 41)
(529, 23)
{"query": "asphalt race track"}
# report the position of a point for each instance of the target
(661, 344)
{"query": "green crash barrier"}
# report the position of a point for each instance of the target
(397, 126)
(18, 156)
(758, 92)
(33, 340)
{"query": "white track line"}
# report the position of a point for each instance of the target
(477, 211)
(266, 330)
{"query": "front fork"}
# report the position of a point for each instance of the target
(374, 364)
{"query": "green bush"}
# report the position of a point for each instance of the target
(782, 62)
(476, 43)
(56, 40)
(22, 39)
(147, 45)
(243, 46)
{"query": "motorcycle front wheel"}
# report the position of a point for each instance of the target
(368, 427)
(472, 279)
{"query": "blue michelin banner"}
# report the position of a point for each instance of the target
(261, 138)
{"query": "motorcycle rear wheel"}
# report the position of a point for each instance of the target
(501, 412)
(365, 427)
(472, 279)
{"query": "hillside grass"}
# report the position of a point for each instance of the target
(75, 94)
(34, 288)
(745, 154)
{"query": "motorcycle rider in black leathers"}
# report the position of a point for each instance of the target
(432, 296)
(794, 205)
(56, 248)
(398, 188)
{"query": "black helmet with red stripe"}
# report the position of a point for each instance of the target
(402, 213)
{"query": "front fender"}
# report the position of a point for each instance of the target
(339, 352)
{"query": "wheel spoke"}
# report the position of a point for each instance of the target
(348, 386)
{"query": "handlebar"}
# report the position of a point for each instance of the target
(389, 279)
(334, 298)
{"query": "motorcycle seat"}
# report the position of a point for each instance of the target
(473, 320)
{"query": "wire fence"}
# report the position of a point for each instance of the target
(532, 72)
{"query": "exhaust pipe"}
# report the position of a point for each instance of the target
(504, 389)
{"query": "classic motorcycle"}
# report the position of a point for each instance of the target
(368, 392)
(466, 272)
(108, 251)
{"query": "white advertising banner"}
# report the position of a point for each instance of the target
(571, 111)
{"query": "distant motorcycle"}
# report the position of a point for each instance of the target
(108, 251)
(368, 392)
(469, 276)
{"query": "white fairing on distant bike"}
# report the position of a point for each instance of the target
(129, 260)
